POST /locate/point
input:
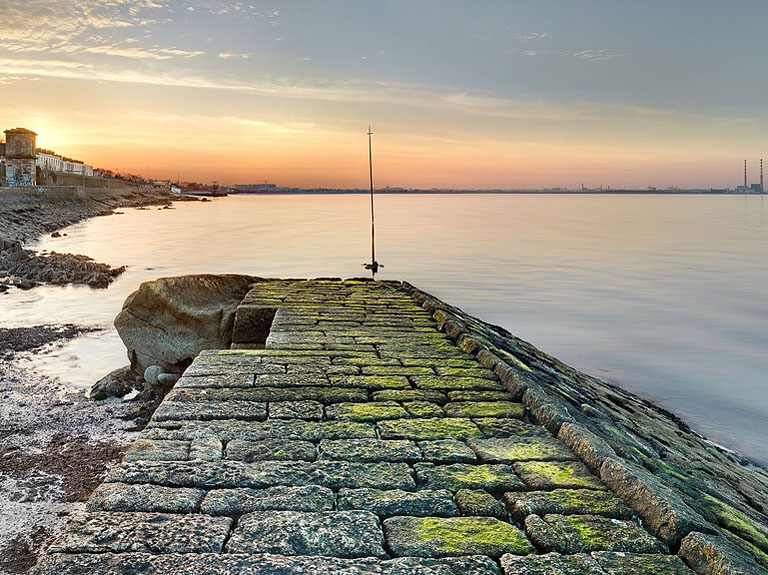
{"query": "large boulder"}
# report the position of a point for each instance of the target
(168, 321)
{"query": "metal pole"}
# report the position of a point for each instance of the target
(370, 169)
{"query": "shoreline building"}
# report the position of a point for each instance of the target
(20, 157)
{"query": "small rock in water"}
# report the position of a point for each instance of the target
(56, 235)
(116, 384)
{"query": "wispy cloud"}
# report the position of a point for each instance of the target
(597, 55)
(532, 36)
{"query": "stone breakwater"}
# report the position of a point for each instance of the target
(359, 428)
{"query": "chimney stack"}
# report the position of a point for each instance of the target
(745, 174)
(762, 189)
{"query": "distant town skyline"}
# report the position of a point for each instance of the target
(497, 94)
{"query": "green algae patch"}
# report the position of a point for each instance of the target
(429, 429)
(640, 564)
(512, 449)
(454, 536)
(373, 382)
(507, 427)
(510, 358)
(485, 409)
(458, 476)
(736, 522)
(587, 533)
(547, 475)
(567, 502)
(373, 411)
(440, 382)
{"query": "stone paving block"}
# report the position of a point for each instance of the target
(479, 503)
(442, 537)
(304, 368)
(459, 396)
(386, 503)
(505, 427)
(346, 534)
(372, 411)
(227, 380)
(475, 371)
(614, 563)
(423, 409)
(586, 533)
(271, 450)
(484, 409)
(550, 564)
(546, 475)
(492, 478)
(447, 451)
(424, 429)
(370, 360)
(511, 449)
(236, 502)
(370, 450)
(411, 395)
(567, 502)
(446, 383)
(715, 555)
(292, 380)
(143, 532)
(207, 448)
(371, 382)
(145, 498)
(225, 430)
(307, 409)
(242, 410)
(389, 370)
(260, 474)
(160, 450)
(473, 565)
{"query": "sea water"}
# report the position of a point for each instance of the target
(665, 295)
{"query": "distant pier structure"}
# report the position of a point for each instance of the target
(758, 188)
(20, 157)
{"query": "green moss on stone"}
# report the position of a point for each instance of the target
(735, 521)
(485, 409)
(551, 475)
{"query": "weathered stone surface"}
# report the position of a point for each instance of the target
(714, 555)
(271, 450)
(372, 411)
(461, 396)
(149, 450)
(589, 447)
(484, 409)
(546, 410)
(505, 427)
(446, 383)
(447, 451)
(614, 563)
(479, 503)
(586, 533)
(472, 565)
(410, 395)
(143, 532)
(236, 502)
(370, 450)
(147, 498)
(260, 474)
(492, 478)
(241, 410)
(423, 429)
(371, 382)
(511, 449)
(307, 409)
(228, 430)
(661, 509)
(426, 503)
(214, 381)
(337, 534)
(550, 564)
(566, 502)
(452, 536)
(423, 409)
(206, 448)
(546, 475)
(323, 395)
(168, 321)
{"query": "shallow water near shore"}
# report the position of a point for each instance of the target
(664, 295)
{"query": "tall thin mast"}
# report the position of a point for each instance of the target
(374, 265)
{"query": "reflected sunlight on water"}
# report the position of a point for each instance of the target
(664, 295)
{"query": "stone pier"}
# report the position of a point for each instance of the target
(360, 427)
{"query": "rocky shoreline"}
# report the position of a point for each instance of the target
(27, 215)
(55, 444)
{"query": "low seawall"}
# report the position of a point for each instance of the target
(361, 427)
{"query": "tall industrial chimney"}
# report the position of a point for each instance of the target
(745, 174)
(762, 189)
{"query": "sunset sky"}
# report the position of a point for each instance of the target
(464, 94)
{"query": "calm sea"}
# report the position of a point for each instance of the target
(663, 295)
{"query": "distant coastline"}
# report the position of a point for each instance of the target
(591, 192)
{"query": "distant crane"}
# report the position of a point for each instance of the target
(374, 265)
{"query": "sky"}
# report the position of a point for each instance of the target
(480, 94)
